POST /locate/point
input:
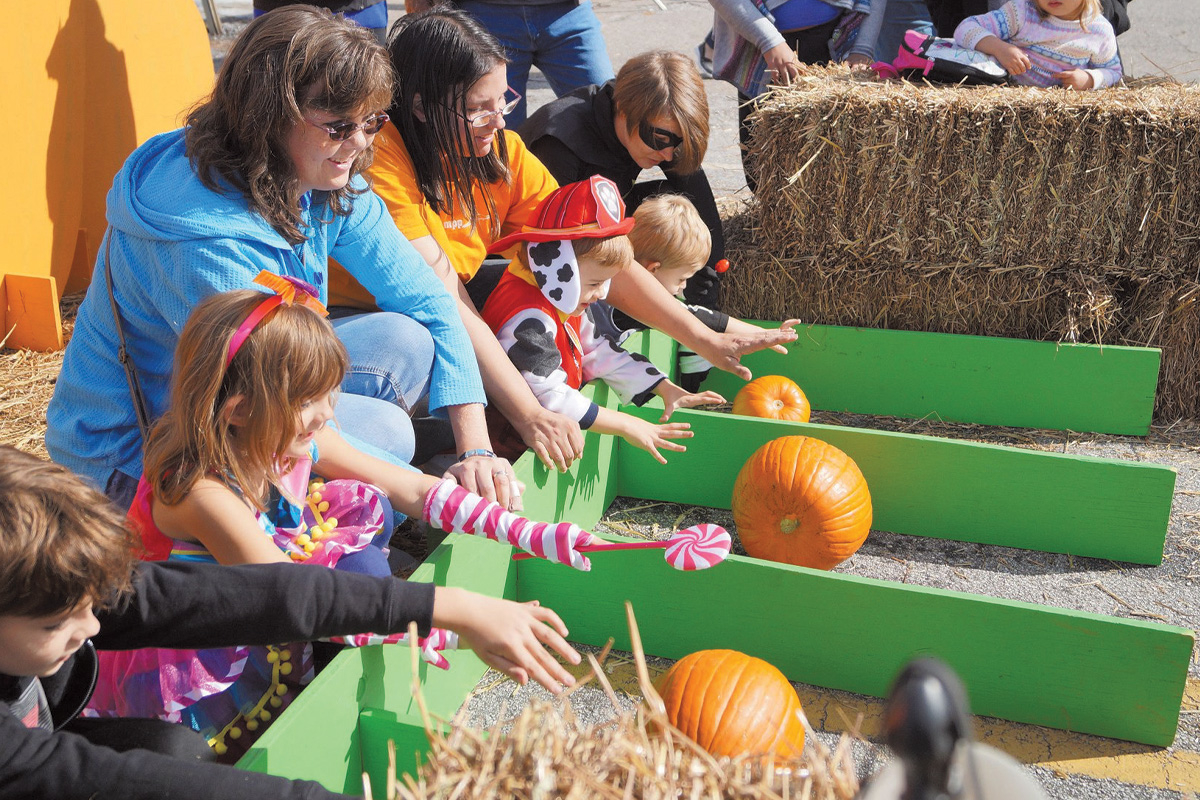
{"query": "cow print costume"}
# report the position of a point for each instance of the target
(557, 353)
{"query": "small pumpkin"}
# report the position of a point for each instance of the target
(773, 397)
(799, 500)
(732, 704)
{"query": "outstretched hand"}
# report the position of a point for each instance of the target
(556, 439)
(677, 397)
(514, 638)
(651, 437)
(729, 348)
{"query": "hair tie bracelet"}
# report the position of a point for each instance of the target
(286, 290)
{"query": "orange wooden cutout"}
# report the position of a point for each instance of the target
(31, 318)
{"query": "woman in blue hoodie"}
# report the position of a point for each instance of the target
(266, 175)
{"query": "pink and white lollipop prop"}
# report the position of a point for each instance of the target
(698, 547)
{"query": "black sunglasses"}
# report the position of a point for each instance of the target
(342, 130)
(657, 138)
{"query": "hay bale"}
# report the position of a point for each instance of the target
(547, 752)
(856, 171)
(998, 211)
(29, 383)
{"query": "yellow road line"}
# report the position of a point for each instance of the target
(1063, 752)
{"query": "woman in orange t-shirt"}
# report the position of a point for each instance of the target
(444, 54)
(455, 181)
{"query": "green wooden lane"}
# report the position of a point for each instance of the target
(981, 379)
(1027, 663)
(940, 488)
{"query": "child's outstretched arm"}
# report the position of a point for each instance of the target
(675, 397)
(636, 292)
(507, 636)
(528, 339)
(639, 433)
(193, 605)
(452, 508)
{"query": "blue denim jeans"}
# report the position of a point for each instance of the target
(900, 16)
(391, 359)
(563, 40)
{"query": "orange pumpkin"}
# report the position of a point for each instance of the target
(801, 501)
(732, 704)
(772, 397)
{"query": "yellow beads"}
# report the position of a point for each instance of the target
(280, 661)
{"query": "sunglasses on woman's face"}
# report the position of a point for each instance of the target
(657, 138)
(342, 130)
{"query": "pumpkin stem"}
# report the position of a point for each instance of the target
(788, 524)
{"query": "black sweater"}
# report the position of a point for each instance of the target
(191, 605)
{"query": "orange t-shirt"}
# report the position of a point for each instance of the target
(394, 179)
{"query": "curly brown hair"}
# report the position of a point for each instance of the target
(290, 357)
(294, 58)
(63, 542)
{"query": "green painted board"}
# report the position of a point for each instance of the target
(1021, 662)
(375, 729)
(1027, 663)
(982, 379)
(583, 493)
(326, 712)
(319, 736)
(940, 488)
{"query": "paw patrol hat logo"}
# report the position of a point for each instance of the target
(590, 209)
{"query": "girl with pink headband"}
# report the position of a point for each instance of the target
(229, 479)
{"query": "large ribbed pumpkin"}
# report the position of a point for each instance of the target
(732, 704)
(801, 501)
(772, 397)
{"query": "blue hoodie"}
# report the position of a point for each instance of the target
(175, 242)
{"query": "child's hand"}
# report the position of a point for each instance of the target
(1078, 79)
(675, 397)
(650, 437)
(1012, 58)
(858, 61)
(507, 636)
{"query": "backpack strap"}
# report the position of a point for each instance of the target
(135, 388)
